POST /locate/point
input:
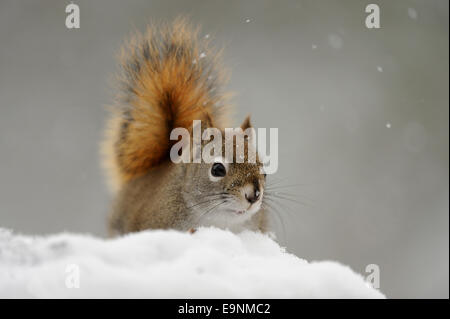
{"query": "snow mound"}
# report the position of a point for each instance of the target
(210, 263)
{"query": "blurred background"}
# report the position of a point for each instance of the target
(363, 118)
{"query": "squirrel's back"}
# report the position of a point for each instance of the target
(168, 78)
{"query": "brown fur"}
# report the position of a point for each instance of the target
(163, 84)
(166, 82)
(141, 205)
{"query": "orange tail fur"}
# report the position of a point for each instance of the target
(168, 79)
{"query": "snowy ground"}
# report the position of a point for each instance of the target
(210, 263)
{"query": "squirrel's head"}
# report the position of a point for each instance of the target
(227, 191)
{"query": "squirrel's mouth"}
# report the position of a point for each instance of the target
(240, 209)
(250, 210)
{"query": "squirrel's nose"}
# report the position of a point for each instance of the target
(252, 194)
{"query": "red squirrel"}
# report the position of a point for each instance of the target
(169, 78)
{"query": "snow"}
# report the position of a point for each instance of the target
(379, 69)
(210, 263)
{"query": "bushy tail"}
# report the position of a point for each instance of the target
(168, 78)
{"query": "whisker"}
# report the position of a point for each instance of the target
(204, 202)
(280, 219)
(285, 185)
(210, 209)
(288, 195)
(282, 205)
(268, 184)
(286, 198)
(211, 198)
(202, 195)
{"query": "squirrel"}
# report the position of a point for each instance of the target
(169, 78)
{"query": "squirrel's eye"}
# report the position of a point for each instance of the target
(218, 170)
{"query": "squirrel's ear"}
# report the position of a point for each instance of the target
(207, 122)
(246, 124)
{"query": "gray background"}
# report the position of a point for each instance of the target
(372, 194)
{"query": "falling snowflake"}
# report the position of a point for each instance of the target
(314, 46)
(379, 69)
(388, 125)
(412, 13)
(335, 41)
(247, 20)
